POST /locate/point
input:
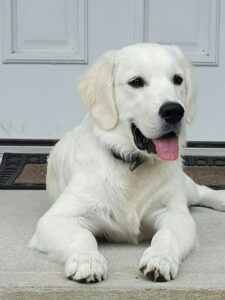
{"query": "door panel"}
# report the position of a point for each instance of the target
(46, 45)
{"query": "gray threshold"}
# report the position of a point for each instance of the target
(47, 149)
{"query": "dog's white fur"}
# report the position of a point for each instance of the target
(96, 195)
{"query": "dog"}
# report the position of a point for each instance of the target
(119, 175)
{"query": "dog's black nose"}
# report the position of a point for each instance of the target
(171, 112)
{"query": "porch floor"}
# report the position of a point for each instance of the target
(26, 274)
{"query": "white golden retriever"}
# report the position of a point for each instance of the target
(119, 175)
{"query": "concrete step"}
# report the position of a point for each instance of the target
(25, 274)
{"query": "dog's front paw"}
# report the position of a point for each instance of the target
(158, 266)
(87, 267)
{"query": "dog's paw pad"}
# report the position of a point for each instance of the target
(158, 267)
(86, 268)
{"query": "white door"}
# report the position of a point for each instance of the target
(46, 45)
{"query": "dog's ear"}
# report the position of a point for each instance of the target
(190, 85)
(97, 91)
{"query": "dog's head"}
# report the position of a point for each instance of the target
(149, 89)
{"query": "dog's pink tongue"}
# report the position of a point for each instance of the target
(167, 148)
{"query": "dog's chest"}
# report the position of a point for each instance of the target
(128, 201)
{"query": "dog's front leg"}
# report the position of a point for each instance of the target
(174, 238)
(63, 233)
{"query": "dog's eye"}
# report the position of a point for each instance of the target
(177, 79)
(137, 82)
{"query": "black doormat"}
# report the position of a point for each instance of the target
(23, 171)
(28, 171)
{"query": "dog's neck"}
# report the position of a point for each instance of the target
(120, 148)
(133, 159)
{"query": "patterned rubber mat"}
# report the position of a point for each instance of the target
(23, 171)
(28, 171)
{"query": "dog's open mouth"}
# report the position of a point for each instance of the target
(166, 146)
